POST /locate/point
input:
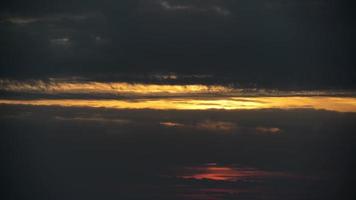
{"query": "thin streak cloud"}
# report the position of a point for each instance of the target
(93, 120)
(217, 9)
(109, 88)
(54, 18)
(115, 89)
(206, 125)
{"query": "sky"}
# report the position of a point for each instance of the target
(274, 43)
(177, 99)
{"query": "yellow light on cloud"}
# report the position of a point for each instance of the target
(339, 104)
(55, 87)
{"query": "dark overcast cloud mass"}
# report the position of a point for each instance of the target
(69, 153)
(298, 43)
(104, 99)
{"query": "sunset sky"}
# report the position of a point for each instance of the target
(177, 99)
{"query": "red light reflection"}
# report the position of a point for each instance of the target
(226, 173)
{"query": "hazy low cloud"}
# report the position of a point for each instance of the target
(21, 20)
(275, 4)
(176, 6)
(94, 119)
(167, 5)
(49, 19)
(268, 130)
(65, 42)
(222, 127)
(172, 124)
(206, 125)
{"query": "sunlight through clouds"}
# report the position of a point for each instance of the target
(338, 104)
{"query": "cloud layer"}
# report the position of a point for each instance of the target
(273, 43)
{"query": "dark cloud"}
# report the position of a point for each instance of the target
(271, 47)
(251, 130)
(271, 43)
(66, 152)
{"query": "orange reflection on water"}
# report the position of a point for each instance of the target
(339, 104)
(215, 173)
(227, 173)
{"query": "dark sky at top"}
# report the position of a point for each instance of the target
(301, 43)
(117, 141)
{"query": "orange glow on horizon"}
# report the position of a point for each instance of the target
(227, 173)
(215, 173)
(338, 104)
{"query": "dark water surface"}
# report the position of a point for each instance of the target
(81, 153)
